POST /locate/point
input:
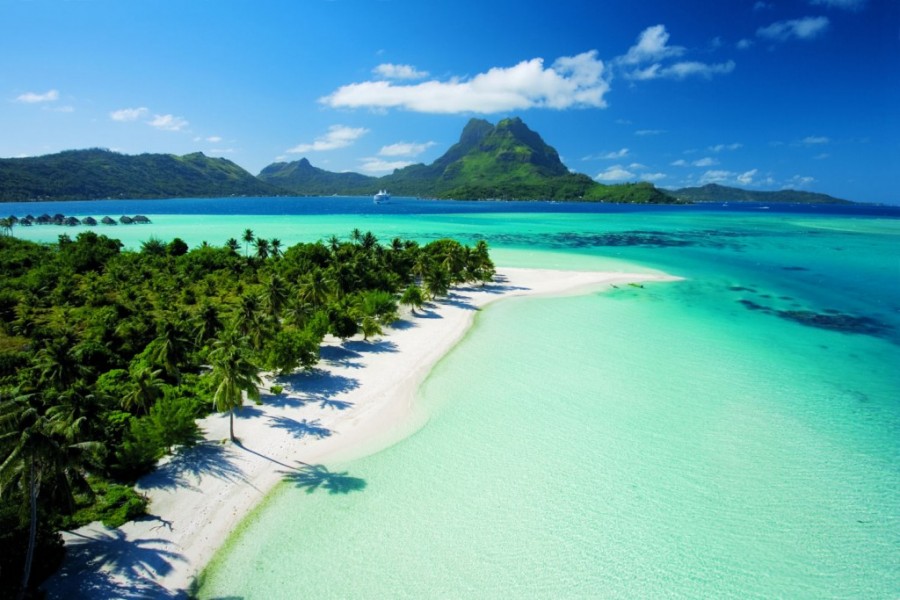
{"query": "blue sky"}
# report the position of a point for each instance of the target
(758, 94)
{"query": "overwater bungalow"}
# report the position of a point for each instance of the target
(141, 219)
(126, 220)
(89, 221)
(71, 221)
(107, 220)
(44, 219)
(27, 221)
(58, 219)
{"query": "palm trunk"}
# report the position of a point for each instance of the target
(32, 530)
(231, 423)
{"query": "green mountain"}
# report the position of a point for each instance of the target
(95, 173)
(300, 175)
(506, 161)
(720, 193)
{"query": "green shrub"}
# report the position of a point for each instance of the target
(276, 389)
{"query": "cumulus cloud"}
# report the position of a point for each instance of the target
(646, 59)
(35, 98)
(746, 178)
(168, 122)
(744, 44)
(716, 176)
(378, 165)
(128, 114)
(615, 173)
(806, 28)
(652, 46)
(705, 162)
(570, 82)
(338, 136)
(390, 71)
(404, 149)
(680, 163)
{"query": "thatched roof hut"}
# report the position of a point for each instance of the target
(71, 221)
(89, 221)
(107, 220)
(126, 220)
(58, 219)
(44, 219)
(141, 219)
(27, 222)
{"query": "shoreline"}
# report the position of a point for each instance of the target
(358, 400)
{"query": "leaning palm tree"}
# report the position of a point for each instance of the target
(233, 375)
(413, 297)
(38, 449)
(262, 249)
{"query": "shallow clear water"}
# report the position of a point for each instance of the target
(735, 434)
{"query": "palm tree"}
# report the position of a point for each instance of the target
(413, 297)
(145, 389)
(334, 243)
(262, 249)
(56, 363)
(233, 375)
(276, 248)
(233, 245)
(248, 238)
(208, 324)
(275, 295)
(33, 453)
(315, 289)
(169, 348)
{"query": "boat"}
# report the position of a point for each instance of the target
(381, 196)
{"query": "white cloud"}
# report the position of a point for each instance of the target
(168, 122)
(705, 162)
(615, 173)
(621, 153)
(128, 114)
(798, 181)
(35, 98)
(744, 44)
(214, 139)
(680, 163)
(652, 46)
(822, 156)
(405, 149)
(716, 177)
(643, 132)
(721, 147)
(571, 82)
(746, 178)
(652, 176)
(377, 165)
(338, 136)
(389, 71)
(806, 28)
(682, 70)
(845, 4)
(762, 5)
(814, 140)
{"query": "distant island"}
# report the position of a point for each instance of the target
(720, 193)
(507, 161)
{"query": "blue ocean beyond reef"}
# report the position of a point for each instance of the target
(732, 435)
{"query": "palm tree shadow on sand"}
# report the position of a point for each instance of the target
(314, 477)
(130, 567)
(189, 465)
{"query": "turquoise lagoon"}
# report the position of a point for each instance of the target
(732, 435)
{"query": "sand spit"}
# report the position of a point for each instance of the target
(359, 399)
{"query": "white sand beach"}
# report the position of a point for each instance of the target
(360, 398)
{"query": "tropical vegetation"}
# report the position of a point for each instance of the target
(108, 357)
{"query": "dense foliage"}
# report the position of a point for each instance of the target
(95, 173)
(108, 357)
